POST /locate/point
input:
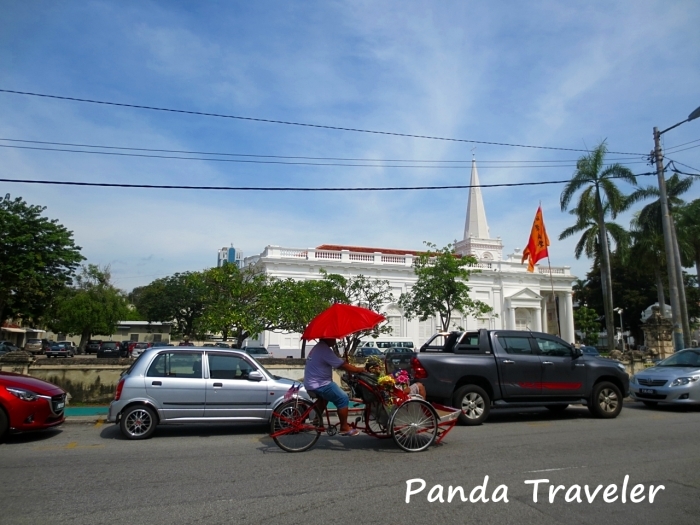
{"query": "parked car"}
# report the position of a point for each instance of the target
(6, 347)
(60, 349)
(185, 343)
(674, 380)
(27, 403)
(399, 350)
(258, 352)
(367, 351)
(590, 350)
(194, 385)
(109, 349)
(474, 371)
(93, 346)
(124, 348)
(33, 346)
(223, 345)
(138, 348)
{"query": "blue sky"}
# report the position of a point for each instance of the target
(558, 74)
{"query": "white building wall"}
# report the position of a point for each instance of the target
(503, 284)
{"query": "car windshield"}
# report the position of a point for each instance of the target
(257, 351)
(33, 341)
(109, 345)
(682, 358)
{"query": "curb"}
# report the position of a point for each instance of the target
(91, 420)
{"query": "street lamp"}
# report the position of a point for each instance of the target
(622, 330)
(676, 315)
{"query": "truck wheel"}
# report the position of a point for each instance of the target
(474, 403)
(606, 400)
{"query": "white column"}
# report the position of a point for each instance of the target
(543, 311)
(569, 319)
(511, 318)
(537, 319)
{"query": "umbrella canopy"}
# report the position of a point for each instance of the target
(341, 320)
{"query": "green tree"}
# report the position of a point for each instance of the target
(92, 306)
(362, 291)
(648, 251)
(38, 257)
(689, 228)
(597, 183)
(441, 287)
(178, 298)
(586, 322)
(236, 301)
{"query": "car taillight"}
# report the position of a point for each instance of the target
(418, 371)
(118, 393)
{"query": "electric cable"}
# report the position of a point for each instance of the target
(292, 123)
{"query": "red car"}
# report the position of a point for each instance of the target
(27, 403)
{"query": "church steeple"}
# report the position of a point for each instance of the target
(477, 239)
(475, 225)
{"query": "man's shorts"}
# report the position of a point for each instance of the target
(333, 393)
(414, 390)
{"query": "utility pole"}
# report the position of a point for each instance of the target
(668, 245)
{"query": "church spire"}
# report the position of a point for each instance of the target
(475, 225)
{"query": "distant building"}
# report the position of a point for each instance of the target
(230, 256)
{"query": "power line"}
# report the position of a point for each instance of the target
(281, 162)
(691, 174)
(258, 188)
(684, 144)
(228, 154)
(291, 123)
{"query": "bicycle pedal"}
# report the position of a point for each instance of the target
(358, 419)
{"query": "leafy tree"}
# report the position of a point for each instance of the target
(236, 301)
(362, 291)
(648, 250)
(92, 306)
(650, 219)
(179, 298)
(37, 259)
(597, 183)
(689, 225)
(441, 287)
(587, 322)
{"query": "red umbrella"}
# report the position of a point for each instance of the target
(341, 320)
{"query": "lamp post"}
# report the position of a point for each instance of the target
(622, 330)
(676, 315)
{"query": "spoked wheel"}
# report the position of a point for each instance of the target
(414, 425)
(373, 426)
(293, 431)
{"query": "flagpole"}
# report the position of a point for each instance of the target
(554, 297)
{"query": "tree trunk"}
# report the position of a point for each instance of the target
(303, 348)
(660, 291)
(605, 267)
(84, 338)
(685, 323)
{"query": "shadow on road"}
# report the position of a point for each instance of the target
(189, 430)
(32, 437)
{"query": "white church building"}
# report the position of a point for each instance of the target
(521, 300)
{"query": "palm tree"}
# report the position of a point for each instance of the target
(650, 218)
(599, 192)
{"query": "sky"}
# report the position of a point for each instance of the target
(551, 74)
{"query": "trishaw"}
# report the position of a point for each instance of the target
(412, 422)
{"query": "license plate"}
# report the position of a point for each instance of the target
(60, 406)
(647, 391)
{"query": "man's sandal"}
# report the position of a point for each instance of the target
(350, 433)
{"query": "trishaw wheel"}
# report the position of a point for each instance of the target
(291, 430)
(414, 425)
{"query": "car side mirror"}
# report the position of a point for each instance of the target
(576, 352)
(255, 375)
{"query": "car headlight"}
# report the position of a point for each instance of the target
(680, 381)
(24, 395)
(621, 367)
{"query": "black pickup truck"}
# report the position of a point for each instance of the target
(477, 370)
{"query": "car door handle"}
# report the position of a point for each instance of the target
(218, 385)
(547, 363)
(580, 364)
(157, 383)
(508, 362)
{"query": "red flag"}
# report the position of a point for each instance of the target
(537, 245)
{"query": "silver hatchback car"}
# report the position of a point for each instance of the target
(675, 380)
(194, 385)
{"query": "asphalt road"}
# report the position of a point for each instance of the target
(88, 474)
